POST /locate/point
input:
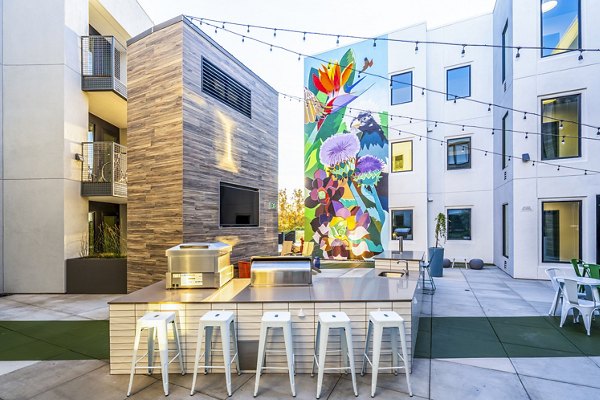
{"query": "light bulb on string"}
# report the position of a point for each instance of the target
(454, 99)
(463, 128)
(558, 168)
(462, 53)
(492, 131)
(518, 55)
(223, 25)
(298, 56)
(337, 41)
(485, 153)
(585, 173)
(243, 38)
(410, 122)
(416, 47)
(526, 135)
(436, 124)
(489, 107)
(561, 125)
(422, 91)
(598, 133)
(374, 42)
(271, 48)
(248, 30)
(563, 140)
(533, 164)
(580, 58)
(274, 32)
(525, 115)
(509, 158)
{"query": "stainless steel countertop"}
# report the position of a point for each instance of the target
(334, 285)
(400, 255)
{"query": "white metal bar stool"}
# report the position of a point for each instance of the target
(326, 322)
(157, 324)
(276, 319)
(225, 321)
(378, 321)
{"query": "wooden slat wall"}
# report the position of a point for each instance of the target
(177, 139)
(155, 154)
(221, 144)
(248, 315)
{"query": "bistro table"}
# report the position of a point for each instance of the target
(584, 281)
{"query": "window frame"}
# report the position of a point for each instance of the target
(452, 167)
(504, 58)
(580, 250)
(579, 38)
(579, 106)
(470, 223)
(505, 230)
(392, 156)
(503, 138)
(412, 227)
(392, 88)
(448, 92)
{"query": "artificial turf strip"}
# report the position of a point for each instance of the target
(493, 337)
(54, 340)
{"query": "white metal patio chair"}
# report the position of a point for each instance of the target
(571, 300)
(552, 274)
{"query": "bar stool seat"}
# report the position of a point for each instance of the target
(157, 324)
(326, 322)
(276, 319)
(378, 321)
(225, 321)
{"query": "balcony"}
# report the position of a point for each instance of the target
(103, 65)
(104, 171)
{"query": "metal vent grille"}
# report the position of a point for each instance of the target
(224, 88)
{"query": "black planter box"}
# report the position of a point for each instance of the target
(96, 275)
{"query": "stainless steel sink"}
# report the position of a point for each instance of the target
(392, 274)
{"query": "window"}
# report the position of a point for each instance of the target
(505, 157)
(505, 230)
(402, 156)
(458, 82)
(504, 51)
(459, 153)
(560, 138)
(459, 224)
(561, 233)
(402, 224)
(216, 83)
(402, 88)
(560, 26)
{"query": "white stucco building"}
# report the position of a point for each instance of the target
(63, 72)
(520, 215)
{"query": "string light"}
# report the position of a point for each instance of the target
(558, 168)
(215, 29)
(462, 53)
(485, 153)
(248, 31)
(524, 115)
(463, 128)
(243, 38)
(561, 125)
(492, 131)
(274, 32)
(304, 37)
(271, 48)
(436, 124)
(337, 41)
(518, 55)
(563, 140)
(422, 92)
(526, 135)
(580, 58)
(423, 88)
(489, 107)
(416, 47)
(374, 42)
(223, 26)
(598, 133)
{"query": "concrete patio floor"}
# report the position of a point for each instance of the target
(463, 319)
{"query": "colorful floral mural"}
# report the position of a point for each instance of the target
(346, 153)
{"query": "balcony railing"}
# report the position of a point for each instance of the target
(103, 65)
(104, 169)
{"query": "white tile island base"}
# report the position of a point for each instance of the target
(355, 295)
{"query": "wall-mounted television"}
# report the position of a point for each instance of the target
(238, 205)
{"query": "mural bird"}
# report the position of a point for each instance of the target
(371, 136)
(367, 64)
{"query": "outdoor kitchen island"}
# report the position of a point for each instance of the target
(356, 292)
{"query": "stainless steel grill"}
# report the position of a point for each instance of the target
(199, 265)
(281, 271)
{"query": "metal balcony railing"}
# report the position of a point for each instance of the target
(104, 169)
(103, 65)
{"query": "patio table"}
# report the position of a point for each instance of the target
(585, 281)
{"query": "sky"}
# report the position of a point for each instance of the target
(282, 70)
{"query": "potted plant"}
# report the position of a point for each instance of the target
(101, 266)
(436, 254)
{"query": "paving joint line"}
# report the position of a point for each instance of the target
(50, 309)
(69, 380)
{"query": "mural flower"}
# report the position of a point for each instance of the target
(332, 78)
(368, 170)
(325, 194)
(338, 154)
(344, 236)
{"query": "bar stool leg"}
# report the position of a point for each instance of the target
(151, 340)
(344, 352)
(236, 355)
(225, 340)
(377, 337)
(197, 357)
(322, 352)
(350, 355)
(207, 347)
(289, 351)
(178, 343)
(136, 345)
(163, 350)
(260, 356)
(366, 353)
(405, 357)
(394, 339)
(312, 372)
